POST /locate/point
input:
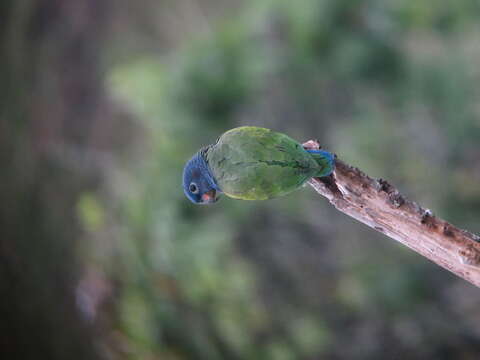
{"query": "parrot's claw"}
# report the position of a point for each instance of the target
(311, 145)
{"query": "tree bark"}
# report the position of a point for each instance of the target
(378, 204)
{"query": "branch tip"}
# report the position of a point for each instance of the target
(378, 204)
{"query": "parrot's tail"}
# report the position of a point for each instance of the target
(325, 159)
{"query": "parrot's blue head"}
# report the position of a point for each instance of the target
(198, 182)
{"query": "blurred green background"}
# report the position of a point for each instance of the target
(101, 104)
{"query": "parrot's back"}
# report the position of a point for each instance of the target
(253, 163)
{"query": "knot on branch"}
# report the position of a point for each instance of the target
(428, 219)
(394, 197)
(470, 255)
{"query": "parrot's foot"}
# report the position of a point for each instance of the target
(312, 145)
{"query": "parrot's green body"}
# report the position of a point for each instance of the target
(252, 163)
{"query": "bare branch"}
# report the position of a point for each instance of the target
(380, 205)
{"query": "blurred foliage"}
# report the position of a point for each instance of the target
(390, 86)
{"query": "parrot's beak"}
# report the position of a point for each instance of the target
(209, 197)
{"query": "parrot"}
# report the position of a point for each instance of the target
(252, 163)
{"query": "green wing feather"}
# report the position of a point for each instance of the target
(253, 163)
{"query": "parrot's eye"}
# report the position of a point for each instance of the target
(193, 188)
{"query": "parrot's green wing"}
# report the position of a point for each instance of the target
(253, 163)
